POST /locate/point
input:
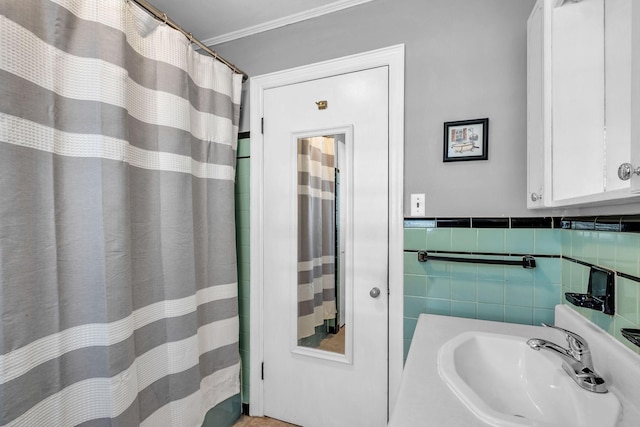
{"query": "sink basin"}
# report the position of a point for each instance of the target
(505, 383)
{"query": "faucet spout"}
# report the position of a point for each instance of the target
(541, 344)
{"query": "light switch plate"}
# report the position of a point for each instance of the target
(417, 204)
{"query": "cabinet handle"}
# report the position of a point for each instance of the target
(626, 170)
(535, 197)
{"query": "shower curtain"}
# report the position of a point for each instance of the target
(316, 233)
(117, 232)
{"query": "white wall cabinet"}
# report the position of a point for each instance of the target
(583, 89)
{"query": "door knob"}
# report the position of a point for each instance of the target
(374, 292)
(626, 170)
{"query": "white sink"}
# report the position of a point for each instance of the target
(506, 383)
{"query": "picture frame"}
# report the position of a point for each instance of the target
(466, 140)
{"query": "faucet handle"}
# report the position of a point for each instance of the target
(575, 341)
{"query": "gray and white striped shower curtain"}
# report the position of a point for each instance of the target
(118, 290)
(316, 233)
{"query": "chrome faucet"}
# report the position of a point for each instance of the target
(577, 361)
(578, 348)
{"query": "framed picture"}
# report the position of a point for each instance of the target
(466, 140)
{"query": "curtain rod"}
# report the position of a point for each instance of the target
(162, 16)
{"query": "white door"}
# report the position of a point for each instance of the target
(305, 385)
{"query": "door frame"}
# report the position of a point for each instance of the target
(393, 57)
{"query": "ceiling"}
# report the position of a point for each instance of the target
(218, 21)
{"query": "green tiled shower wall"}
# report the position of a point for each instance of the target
(612, 250)
(242, 244)
(227, 412)
(513, 294)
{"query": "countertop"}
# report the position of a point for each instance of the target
(425, 399)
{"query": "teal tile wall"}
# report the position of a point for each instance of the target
(242, 244)
(224, 414)
(614, 251)
(513, 294)
(481, 291)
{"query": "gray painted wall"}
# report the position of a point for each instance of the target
(465, 59)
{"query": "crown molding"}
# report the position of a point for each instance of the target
(281, 22)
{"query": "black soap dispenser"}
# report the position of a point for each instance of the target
(600, 292)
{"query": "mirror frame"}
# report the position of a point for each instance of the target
(346, 214)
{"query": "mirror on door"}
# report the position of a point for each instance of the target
(321, 274)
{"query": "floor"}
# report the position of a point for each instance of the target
(334, 343)
(246, 421)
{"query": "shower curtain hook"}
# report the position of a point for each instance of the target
(190, 38)
(165, 18)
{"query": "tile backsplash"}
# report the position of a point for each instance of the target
(617, 251)
(511, 293)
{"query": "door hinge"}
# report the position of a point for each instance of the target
(262, 125)
(262, 371)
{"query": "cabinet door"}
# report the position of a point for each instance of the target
(618, 62)
(622, 60)
(635, 93)
(535, 107)
(578, 100)
(539, 106)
